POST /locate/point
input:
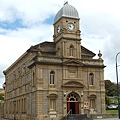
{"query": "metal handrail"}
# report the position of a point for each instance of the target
(70, 111)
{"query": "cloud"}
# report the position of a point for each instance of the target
(29, 12)
(100, 30)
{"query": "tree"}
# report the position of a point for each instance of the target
(107, 100)
(111, 88)
(112, 91)
(1, 96)
(108, 83)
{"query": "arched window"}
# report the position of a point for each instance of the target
(71, 50)
(91, 78)
(33, 78)
(72, 97)
(52, 76)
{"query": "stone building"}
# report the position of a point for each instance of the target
(52, 79)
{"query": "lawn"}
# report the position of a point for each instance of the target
(112, 111)
(113, 102)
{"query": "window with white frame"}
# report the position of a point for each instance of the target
(52, 104)
(52, 76)
(71, 50)
(92, 103)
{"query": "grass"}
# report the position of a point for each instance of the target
(113, 101)
(112, 111)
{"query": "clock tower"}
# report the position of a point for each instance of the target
(67, 32)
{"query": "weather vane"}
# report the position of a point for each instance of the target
(65, 2)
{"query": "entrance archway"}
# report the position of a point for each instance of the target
(73, 103)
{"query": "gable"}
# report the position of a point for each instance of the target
(73, 63)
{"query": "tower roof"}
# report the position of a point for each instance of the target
(66, 11)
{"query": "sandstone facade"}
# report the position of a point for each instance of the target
(52, 79)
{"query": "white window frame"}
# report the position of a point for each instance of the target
(52, 104)
(91, 79)
(71, 50)
(92, 103)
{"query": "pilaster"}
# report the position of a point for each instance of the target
(39, 102)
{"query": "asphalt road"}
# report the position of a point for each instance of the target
(108, 119)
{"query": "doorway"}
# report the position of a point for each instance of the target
(72, 107)
(72, 104)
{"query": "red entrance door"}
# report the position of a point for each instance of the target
(72, 107)
(68, 107)
(76, 108)
(72, 103)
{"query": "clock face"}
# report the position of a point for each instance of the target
(71, 26)
(58, 29)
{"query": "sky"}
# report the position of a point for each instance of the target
(24, 23)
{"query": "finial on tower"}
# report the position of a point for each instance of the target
(100, 55)
(65, 2)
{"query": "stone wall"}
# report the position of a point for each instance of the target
(1, 108)
(100, 116)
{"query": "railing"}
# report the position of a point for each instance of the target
(69, 112)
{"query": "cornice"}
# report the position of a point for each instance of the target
(15, 63)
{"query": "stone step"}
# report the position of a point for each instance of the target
(76, 117)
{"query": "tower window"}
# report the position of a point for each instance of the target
(52, 75)
(71, 50)
(91, 78)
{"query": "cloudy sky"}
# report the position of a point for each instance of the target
(24, 23)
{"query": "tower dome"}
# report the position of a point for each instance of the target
(66, 11)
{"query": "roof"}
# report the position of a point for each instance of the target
(50, 47)
(66, 11)
(86, 51)
(45, 44)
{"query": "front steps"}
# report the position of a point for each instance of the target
(76, 117)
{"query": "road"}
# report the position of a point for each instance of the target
(108, 119)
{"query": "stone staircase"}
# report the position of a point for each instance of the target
(76, 117)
